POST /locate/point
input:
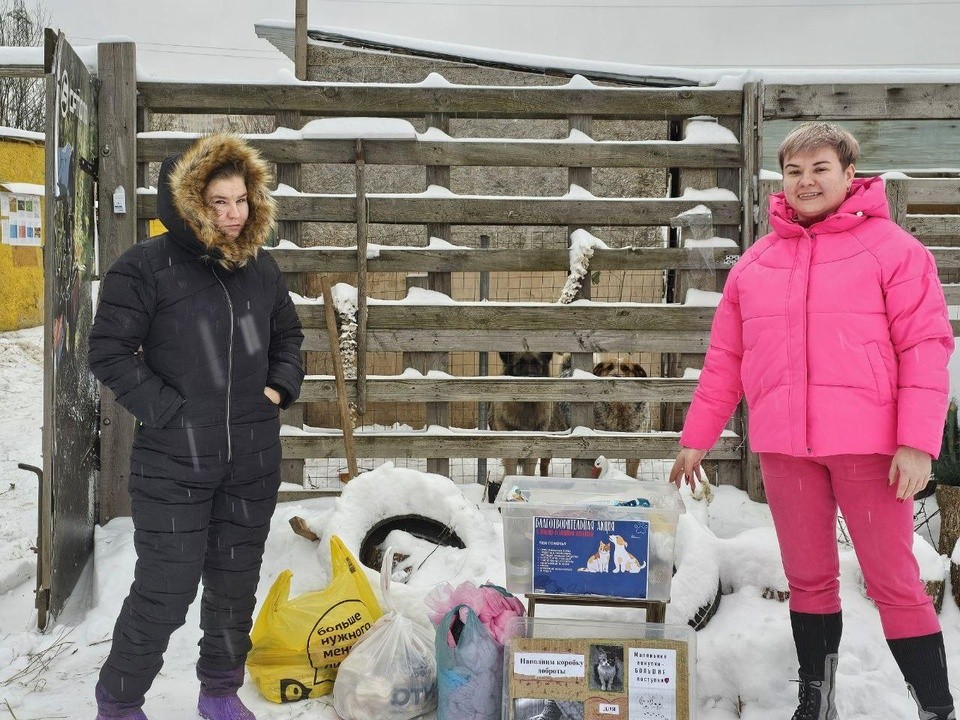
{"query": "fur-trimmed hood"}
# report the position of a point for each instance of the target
(183, 212)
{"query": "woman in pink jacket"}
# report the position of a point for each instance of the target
(835, 328)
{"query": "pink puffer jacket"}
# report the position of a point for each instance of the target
(837, 334)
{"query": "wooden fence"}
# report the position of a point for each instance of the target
(427, 333)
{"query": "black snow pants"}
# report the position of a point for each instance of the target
(196, 517)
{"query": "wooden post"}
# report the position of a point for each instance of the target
(689, 226)
(731, 179)
(143, 169)
(581, 414)
(896, 189)
(362, 217)
(752, 142)
(754, 203)
(483, 368)
(291, 471)
(416, 360)
(346, 421)
(300, 41)
(752, 475)
(439, 413)
(117, 231)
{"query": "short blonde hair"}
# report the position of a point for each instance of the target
(815, 135)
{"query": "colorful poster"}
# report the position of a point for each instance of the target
(581, 556)
(20, 219)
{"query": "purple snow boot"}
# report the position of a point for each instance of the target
(223, 707)
(109, 708)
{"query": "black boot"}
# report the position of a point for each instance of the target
(923, 662)
(816, 695)
(817, 638)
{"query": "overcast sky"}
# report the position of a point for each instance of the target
(215, 39)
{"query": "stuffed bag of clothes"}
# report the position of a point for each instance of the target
(390, 673)
(469, 649)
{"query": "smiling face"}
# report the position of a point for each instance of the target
(815, 183)
(227, 199)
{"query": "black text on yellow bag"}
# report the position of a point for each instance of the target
(299, 643)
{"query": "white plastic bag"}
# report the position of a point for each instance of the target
(391, 672)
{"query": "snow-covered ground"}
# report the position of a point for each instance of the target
(745, 654)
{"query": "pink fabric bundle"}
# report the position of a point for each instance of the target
(492, 604)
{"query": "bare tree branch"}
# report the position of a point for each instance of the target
(22, 99)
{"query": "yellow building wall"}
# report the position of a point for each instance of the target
(21, 268)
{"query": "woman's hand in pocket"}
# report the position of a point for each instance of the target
(272, 394)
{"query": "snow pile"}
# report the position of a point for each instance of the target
(699, 130)
(358, 128)
(702, 298)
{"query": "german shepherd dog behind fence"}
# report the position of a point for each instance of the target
(530, 416)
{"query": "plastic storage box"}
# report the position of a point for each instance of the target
(573, 536)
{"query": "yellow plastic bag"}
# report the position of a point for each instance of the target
(298, 644)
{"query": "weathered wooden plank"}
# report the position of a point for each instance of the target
(951, 292)
(501, 444)
(541, 211)
(927, 227)
(933, 191)
(501, 260)
(586, 340)
(419, 210)
(866, 101)
(321, 208)
(322, 388)
(22, 71)
(521, 317)
(373, 100)
(955, 324)
(467, 152)
(946, 257)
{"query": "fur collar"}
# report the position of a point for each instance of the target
(188, 180)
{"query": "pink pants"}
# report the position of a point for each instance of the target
(803, 494)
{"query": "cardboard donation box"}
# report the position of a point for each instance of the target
(599, 670)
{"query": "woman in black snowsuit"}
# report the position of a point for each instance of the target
(197, 337)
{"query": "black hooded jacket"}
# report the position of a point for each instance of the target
(190, 328)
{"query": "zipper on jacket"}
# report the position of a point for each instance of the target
(229, 364)
(806, 349)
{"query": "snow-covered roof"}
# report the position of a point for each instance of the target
(22, 188)
(280, 34)
(9, 133)
(841, 69)
(28, 60)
